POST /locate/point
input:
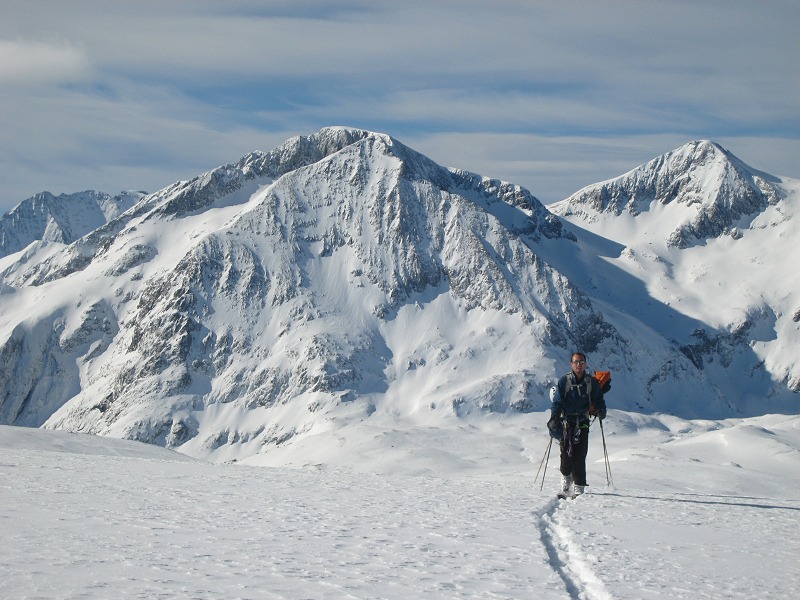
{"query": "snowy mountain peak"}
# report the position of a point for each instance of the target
(709, 189)
(63, 218)
(332, 268)
(696, 244)
(339, 277)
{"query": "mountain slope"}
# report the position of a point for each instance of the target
(287, 286)
(433, 514)
(339, 278)
(700, 246)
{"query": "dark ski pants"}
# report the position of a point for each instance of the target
(575, 464)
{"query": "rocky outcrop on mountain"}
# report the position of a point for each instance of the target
(714, 187)
(38, 370)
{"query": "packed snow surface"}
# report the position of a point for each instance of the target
(696, 509)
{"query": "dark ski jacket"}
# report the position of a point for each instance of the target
(575, 397)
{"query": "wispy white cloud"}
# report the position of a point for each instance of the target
(36, 62)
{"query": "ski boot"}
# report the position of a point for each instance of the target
(566, 484)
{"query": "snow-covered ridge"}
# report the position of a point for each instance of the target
(63, 218)
(320, 247)
(704, 242)
(711, 188)
(344, 276)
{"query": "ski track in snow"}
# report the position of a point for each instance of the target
(566, 556)
(729, 530)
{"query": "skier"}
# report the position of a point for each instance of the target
(577, 397)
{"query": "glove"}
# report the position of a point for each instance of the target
(556, 428)
(601, 413)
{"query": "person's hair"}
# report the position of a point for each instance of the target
(574, 354)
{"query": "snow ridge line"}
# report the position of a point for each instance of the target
(566, 557)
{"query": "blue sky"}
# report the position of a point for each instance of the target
(550, 95)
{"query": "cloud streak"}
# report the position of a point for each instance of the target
(35, 63)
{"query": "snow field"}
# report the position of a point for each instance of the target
(87, 526)
(653, 545)
(89, 517)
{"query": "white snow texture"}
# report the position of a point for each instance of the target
(90, 517)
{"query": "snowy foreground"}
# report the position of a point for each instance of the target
(697, 510)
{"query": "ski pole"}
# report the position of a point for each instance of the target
(545, 460)
(609, 479)
(550, 445)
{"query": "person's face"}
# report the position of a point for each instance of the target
(578, 365)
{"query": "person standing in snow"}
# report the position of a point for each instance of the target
(577, 397)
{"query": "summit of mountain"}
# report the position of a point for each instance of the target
(694, 193)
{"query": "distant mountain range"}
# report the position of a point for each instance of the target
(63, 218)
(343, 275)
